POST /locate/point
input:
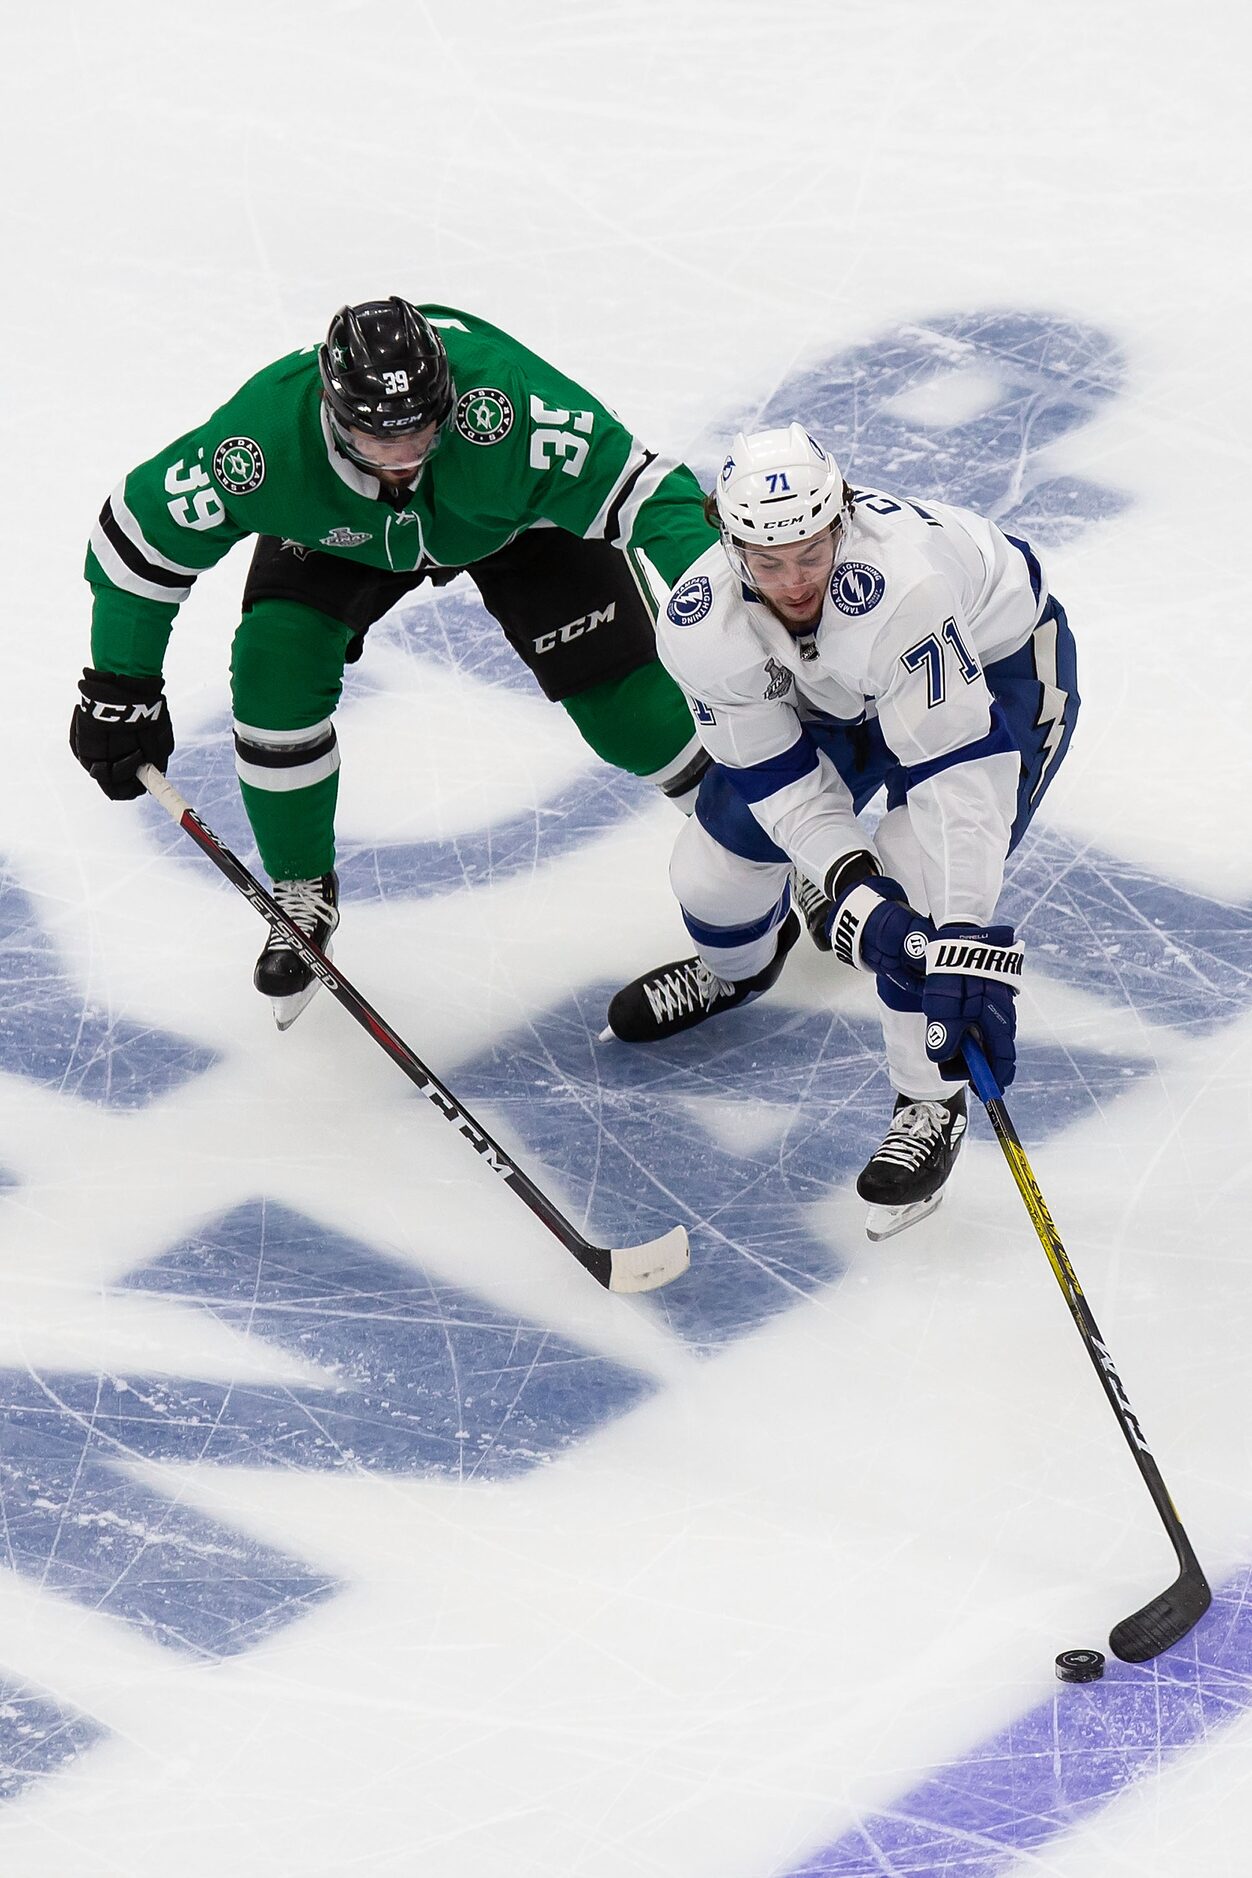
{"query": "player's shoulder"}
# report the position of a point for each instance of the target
(492, 372)
(269, 395)
(709, 592)
(882, 562)
(467, 339)
(705, 626)
(251, 442)
(265, 425)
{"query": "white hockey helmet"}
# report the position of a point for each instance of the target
(775, 487)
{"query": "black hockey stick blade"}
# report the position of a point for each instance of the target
(1164, 1620)
(624, 1269)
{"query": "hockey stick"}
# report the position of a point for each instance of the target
(1164, 1620)
(628, 1268)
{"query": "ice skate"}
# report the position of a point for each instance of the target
(281, 974)
(814, 908)
(685, 993)
(906, 1178)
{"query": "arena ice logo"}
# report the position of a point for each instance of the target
(239, 465)
(856, 588)
(689, 604)
(484, 415)
(188, 1583)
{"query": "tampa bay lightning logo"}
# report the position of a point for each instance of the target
(856, 588)
(690, 602)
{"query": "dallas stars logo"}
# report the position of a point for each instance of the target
(484, 415)
(239, 465)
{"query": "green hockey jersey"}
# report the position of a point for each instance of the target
(524, 445)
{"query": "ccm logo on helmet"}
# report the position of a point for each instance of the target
(691, 602)
(856, 588)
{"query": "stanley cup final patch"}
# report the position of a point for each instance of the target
(484, 415)
(780, 680)
(239, 465)
(344, 537)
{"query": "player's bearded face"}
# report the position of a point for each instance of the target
(399, 460)
(791, 579)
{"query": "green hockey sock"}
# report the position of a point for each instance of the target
(294, 829)
(638, 723)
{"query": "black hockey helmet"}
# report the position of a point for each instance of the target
(384, 370)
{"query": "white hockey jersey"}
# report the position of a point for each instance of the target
(922, 599)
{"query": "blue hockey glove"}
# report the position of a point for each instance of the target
(874, 929)
(972, 978)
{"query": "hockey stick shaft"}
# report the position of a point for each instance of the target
(618, 1271)
(992, 1098)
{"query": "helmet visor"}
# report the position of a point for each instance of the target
(790, 576)
(404, 454)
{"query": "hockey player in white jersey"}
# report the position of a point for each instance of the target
(839, 643)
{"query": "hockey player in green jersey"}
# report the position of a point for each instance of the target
(416, 442)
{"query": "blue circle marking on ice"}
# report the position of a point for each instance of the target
(690, 602)
(856, 588)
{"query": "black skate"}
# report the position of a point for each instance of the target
(906, 1179)
(680, 996)
(281, 974)
(814, 908)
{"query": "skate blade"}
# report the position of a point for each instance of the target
(884, 1222)
(286, 1010)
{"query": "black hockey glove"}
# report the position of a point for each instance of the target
(120, 723)
(972, 978)
(874, 929)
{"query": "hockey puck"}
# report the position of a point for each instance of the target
(1080, 1666)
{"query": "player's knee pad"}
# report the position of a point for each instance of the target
(286, 665)
(718, 887)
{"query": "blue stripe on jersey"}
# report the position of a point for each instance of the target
(1028, 555)
(722, 812)
(714, 936)
(998, 740)
(759, 780)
